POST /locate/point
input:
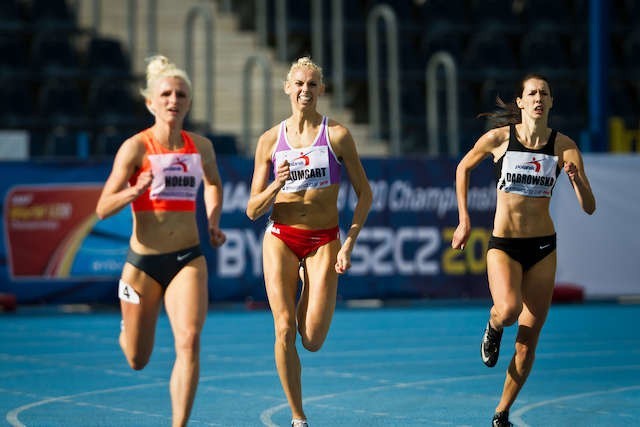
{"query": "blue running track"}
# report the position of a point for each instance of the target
(394, 366)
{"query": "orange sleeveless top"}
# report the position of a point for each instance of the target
(177, 176)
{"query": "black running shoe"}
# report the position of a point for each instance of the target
(501, 419)
(490, 346)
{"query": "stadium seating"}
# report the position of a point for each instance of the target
(491, 89)
(489, 54)
(106, 58)
(554, 16)
(111, 103)
(11, 16)
(547, 52)
(43, 48)
(19, 113)
(13, 51)
(624, 102)
(495, 15)
(60, 142)
(52, 14)
(631, 52)
(569, 110)
(107, 140)
(61, 81)
(446, 15)
(61, 103)
(442, 38)
(54, 54)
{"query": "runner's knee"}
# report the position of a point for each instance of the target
(312, 345)
(507, 314)
(285, 334)
(188, 343)
(313, 339)
(137, 360)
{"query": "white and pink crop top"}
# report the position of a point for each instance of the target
(312, 167)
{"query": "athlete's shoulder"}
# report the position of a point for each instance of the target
(337, 131)
(564, 142)
(267, 142)
(203, 146)
(494, 137)
(196, 137)
(334, 124)
(499, 133)
(270, 136)
(200, 141)
(135, 144)
(131, 152)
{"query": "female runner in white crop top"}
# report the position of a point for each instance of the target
(303, 203)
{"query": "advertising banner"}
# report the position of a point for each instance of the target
(404, 250)
(45, 227)
(599, 252)
(55, 248)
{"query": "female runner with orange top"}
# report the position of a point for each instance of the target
(305, 152)
(159, 171)
(521, 260)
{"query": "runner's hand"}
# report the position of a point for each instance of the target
(282, 173)
(216, 237)
(343, 261)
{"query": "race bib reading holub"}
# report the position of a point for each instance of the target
(175, 176)
(309, 168)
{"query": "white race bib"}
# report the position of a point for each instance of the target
(309, 168)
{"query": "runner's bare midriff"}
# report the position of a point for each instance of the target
(310, 209)
(521, 216)
(162, 232)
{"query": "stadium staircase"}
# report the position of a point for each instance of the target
(231, 50)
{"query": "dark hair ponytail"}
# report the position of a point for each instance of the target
(507, 114)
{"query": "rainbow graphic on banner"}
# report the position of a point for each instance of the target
(52, 231)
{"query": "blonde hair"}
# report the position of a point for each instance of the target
(305, 62)
(158, 67)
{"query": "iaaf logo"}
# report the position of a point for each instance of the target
(302, 160)
(177, 165)
(533, 165)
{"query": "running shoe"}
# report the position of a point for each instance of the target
(501, 419)
(490, 346)
(299, 423)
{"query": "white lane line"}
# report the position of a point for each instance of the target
(13, 415)
(266, 415)
(516, 416)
